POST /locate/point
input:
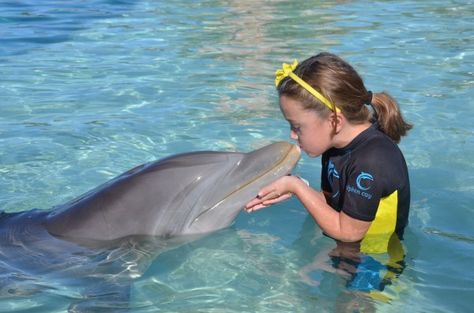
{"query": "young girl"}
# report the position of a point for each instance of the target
(365, 187)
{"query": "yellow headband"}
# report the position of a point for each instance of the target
(287, 70)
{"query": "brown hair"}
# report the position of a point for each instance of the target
(336, 80)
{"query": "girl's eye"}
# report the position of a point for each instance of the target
(296, 129)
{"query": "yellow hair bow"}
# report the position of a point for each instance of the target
(287, 71)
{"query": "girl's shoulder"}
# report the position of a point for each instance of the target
(373, 141)
(371, 147)
(380, 154)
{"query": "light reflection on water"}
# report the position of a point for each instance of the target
(90, 90)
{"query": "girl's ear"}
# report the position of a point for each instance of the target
(337, 121)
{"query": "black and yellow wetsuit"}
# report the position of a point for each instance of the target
(368, 180)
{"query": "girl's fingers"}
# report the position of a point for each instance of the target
(255, 208)
(278, 199)
(266, 201)
(260, 198)
(270, 195)
(253, 203)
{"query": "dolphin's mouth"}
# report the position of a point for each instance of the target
(288, 155)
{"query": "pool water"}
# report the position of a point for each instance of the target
(92, 88)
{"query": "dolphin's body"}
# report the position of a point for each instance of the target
(186, 194)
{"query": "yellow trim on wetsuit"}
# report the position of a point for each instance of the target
(383, 226)
(396, 255)
(381, 238)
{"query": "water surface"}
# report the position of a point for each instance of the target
(92, 88)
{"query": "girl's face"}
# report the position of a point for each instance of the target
(312, 132)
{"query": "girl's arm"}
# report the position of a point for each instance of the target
(338, 225)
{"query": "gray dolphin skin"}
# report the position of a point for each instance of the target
(184, 194)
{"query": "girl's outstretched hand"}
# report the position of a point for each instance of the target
(277, 191)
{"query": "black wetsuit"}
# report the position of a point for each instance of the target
(368, 180)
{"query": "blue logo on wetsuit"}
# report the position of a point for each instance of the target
(363, 176)
(332, 173)
(362, 185)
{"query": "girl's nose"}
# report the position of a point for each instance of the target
(293, 135)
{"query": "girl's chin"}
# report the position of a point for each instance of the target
(311, 155)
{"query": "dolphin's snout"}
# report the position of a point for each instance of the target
(290, 153)
(296, 150)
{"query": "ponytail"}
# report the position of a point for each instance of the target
(389, 116)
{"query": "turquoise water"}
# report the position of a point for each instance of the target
(91, 89)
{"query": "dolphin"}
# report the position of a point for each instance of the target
(185, 194)
(109, 236)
